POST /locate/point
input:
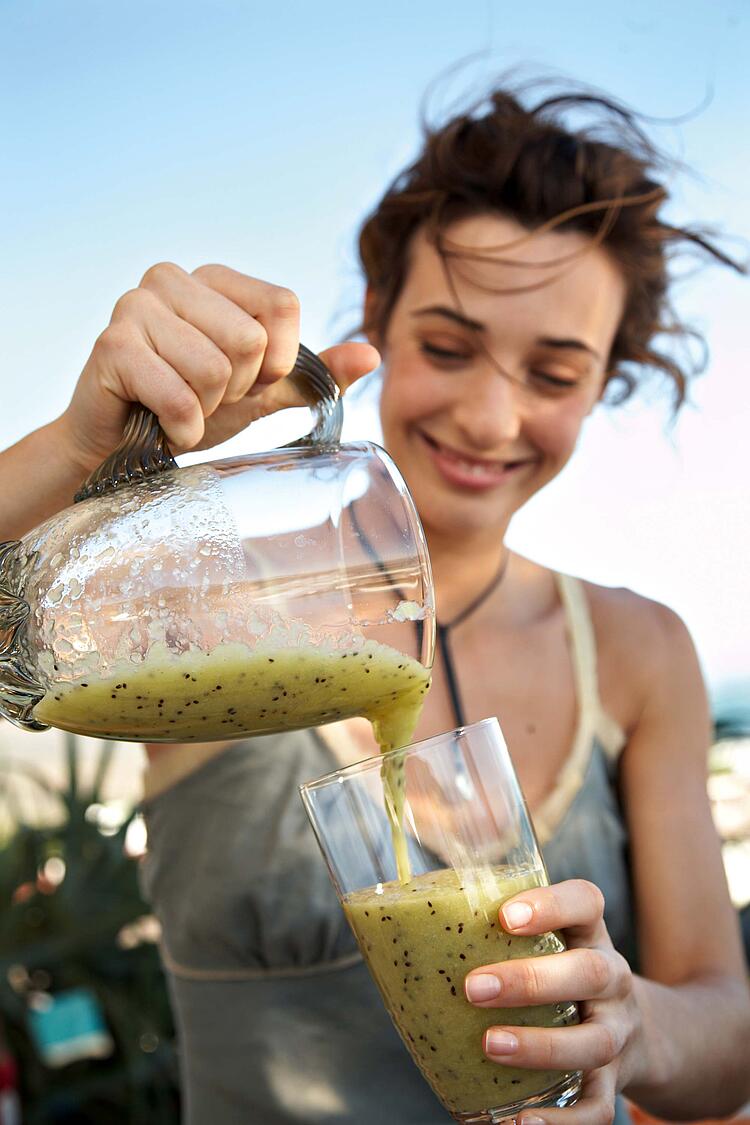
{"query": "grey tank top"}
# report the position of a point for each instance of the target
(278, 1018)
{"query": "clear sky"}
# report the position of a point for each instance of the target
(259, 134)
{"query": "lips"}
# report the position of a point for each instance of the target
(461, 469)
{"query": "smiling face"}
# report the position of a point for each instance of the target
(483, 398)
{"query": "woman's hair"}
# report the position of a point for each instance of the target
(519, 158)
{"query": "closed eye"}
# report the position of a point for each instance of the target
(447, 355)
(553, 382)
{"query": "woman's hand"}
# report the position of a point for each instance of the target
(205, 351)
(606, 1043)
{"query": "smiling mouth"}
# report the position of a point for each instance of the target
(462, 468)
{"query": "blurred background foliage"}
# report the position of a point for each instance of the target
(73, 919)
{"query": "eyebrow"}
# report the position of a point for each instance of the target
(570, 342)
(450, 314)
(567, 342)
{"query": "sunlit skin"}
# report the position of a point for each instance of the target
(502, 381)
(477, 432)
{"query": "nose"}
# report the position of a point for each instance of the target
(489, 412)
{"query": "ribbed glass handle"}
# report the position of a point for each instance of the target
(144, 449)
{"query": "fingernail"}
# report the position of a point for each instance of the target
(500, 1043)
(531, 1119)
(481, 986)
(517, 914)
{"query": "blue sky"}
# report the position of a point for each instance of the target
(259, 135)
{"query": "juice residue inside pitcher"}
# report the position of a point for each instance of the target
(263, 690)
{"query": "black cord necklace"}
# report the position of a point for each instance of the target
(443, 630)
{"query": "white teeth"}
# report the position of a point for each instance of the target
(476, 470)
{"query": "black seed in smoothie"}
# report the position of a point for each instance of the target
(84, 685)
(462, 956)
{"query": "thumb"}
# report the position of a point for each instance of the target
(349, 362)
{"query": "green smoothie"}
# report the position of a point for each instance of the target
(420, 939)
(234, 691)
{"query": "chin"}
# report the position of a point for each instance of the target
(463, 520)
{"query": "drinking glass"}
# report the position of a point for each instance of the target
(423, 845)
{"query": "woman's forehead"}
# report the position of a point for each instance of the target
(516, 273)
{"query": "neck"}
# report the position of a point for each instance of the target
(459, 573)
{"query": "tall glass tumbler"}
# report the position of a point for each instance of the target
(470, 845)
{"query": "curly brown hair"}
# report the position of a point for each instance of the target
(604, 178)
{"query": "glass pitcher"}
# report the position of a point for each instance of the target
(244, 596)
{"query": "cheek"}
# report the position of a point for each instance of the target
(555, 433)
(406, 397)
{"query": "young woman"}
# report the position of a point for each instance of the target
(516, 273)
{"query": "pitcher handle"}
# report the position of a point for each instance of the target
(144, 450)
(20, 690)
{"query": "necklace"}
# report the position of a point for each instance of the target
(442, 632)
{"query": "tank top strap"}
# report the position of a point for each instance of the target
(594, 727)
(592, 715)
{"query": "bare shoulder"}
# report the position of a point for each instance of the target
(633, 618)
(645, 651)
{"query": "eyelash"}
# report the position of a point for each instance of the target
(444, 354)
(551, 383)
(554, 382)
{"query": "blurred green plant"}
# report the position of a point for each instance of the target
(73, 918)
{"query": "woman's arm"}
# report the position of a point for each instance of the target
(39, 475)
(693, 997)
(677, 1038)
(205, 351)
